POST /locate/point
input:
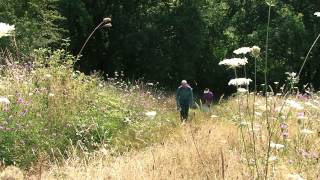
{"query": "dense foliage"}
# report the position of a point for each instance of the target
(170, 40)
(47, 108)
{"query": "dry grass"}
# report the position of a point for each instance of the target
(177, 158)
(208, 147)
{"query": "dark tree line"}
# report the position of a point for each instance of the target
(170, 40)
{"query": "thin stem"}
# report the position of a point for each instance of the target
(305, 60)
(85, 43)
(253, 117)
(240, 118)
(266, 95)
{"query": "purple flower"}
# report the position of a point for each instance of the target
(20, 100)
(285, 134)
(283, 126)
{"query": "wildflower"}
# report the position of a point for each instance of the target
(4, 100)
(301, 116)
(283, 126)
(150, 84)
(317, 14)
(20, 100)
(294, 104)
(48, 76)
(151, 114)
(50, 94)
(306, 131)
(107, 20)
(239, 82)
(276, 83)
(272, 158)
(6, 29)
(255, 51)
(234, 62)
(243, 50)
(294, 177)
(291, 74)
(242, 90)
(276, 146)
(285, 134)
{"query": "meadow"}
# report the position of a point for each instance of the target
(59, 123)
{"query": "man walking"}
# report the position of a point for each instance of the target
(184, 99)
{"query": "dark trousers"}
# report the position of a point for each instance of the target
(184, 111)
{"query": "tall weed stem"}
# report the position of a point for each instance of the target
(266, 97)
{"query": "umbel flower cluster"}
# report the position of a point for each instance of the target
(6, 29)
(238, 62)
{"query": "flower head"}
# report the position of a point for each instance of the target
(317, 14)
(239, 82)
(242, 90)
(6, 29)
(243, 50)
(151, 114)
(276, 146)
(255, 51)
(234, 62)
(4, 100)
(291, 74)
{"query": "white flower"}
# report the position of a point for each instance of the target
(317, 14)
(234, 62)
(294, 177)
(151, 114)
(255, 51)
(243, 50)
(48, 76)
(6, 29)
(294, 104)
(239, 82)
(306, 131)
(272, 158)
(276, 146)
(214, 116)
(51, 94)
(4, 100)
(150, 84)
(242, 90)
(291, 74)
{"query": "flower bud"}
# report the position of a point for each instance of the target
(108, 25)
(107, 20)
(255, 50)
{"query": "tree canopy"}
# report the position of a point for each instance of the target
(170, 40)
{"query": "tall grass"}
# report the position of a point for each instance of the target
(52, 107)
(217, 139)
